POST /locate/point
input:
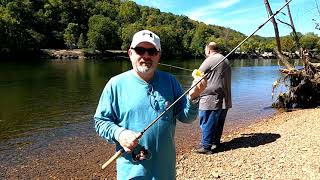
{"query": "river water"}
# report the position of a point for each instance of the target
(49, 99)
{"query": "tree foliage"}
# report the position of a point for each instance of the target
(199, 39)
(127, 32)
(102, 33)
(129, 12)
(70, 35)
(309, 41)
(81, 41)
(102, 25)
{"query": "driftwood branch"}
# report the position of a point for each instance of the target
(304, 85)
(284, 59)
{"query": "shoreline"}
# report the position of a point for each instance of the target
(284, 146)
(90, 54)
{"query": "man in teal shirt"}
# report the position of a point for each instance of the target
(132, 100)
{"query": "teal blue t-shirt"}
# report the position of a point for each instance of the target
(128, 102)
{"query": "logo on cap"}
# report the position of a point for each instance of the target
(146, 36)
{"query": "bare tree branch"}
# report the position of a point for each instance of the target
(278, 51)
(285, 23)
(317, 6)
(296, 38)
(275, 25)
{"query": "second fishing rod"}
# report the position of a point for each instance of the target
(121, 151)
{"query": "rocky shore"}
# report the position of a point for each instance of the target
(90, 54)
(64, 54)
(285, 146)
(81, 54)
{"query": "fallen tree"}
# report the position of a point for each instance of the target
(303, 85)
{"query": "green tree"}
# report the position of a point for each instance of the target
(267, 45)
(102, 34)
(153, 18)
(251, 45)
(199, 39)
(17, 27)
(106, 9)
(81, 41)
(129, 12)
(169, 39)
(127, 32)
(168, 19)
(8, 26)
(309, 41)
(70, 35)
(37, 39)
(184, 22)
(186, 41)
(288, 44)
(54, 29)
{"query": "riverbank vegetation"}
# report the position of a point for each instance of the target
(97, 26)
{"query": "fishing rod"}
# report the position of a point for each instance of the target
(121, 151)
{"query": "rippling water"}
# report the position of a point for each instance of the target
(55, 96)
(251, 89)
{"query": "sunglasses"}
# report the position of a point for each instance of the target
(141, 50)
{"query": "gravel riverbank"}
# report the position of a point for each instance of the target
(285, 146)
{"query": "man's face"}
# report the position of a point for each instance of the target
(144, 58)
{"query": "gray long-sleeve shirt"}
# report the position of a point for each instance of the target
(217, 95)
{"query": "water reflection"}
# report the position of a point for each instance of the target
(53, 93)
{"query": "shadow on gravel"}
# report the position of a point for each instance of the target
(248, 140)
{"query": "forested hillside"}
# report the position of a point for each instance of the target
(27, 25)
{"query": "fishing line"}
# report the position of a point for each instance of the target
(190, 70)
(176, 67)
(121, 151)
(163, 64)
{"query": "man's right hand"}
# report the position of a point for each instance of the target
(129, 140)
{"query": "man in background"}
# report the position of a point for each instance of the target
(215, 100)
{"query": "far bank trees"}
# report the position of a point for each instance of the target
(103, 25)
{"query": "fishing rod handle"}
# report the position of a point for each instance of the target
(119, 153)
(114, 157)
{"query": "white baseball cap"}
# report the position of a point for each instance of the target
(146, 36)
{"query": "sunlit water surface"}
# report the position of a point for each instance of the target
(50, 99)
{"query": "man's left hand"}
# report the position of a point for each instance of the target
(201, 86)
